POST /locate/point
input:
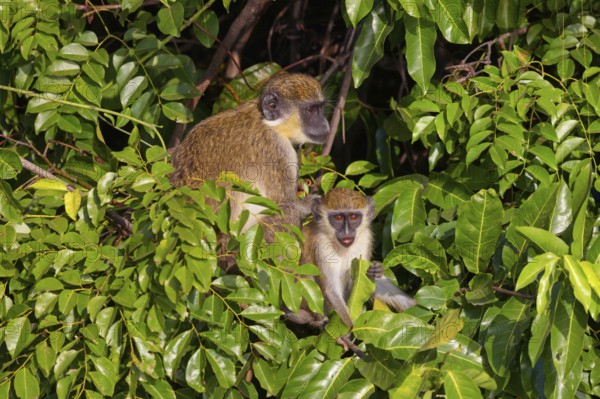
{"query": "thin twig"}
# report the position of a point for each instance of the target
(328, 34)
(37, 170)
(500, 290)
(337, 113)
(513, 293)
(123, 224)
(471, 67)
(87, 7)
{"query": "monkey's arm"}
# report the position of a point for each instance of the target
(388, 293)
(335, 301)
(292, 213)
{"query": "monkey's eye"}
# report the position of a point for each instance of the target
(311, 109)
(338, 218)
(272, 105)
(353, 217)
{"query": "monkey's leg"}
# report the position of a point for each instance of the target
(303, 316)
(337, 303)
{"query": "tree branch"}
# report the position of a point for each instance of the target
(248, 16)
(337, 113)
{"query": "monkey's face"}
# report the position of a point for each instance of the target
(345, 225)
(314, 124)
(292, 105)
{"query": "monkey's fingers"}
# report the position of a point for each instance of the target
(375, 270)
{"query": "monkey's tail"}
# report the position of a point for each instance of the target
(392, 296)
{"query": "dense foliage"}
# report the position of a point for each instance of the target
(109, 285)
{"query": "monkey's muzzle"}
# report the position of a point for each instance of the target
(346, 241)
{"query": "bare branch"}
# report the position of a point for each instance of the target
(337, 113)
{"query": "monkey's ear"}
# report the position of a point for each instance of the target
(370, 208)
(271, 106)
(316, 208)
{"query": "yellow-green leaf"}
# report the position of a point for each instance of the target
(72, 203)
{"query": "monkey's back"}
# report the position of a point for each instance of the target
(237, 141)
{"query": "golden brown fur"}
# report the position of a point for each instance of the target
(254, 141)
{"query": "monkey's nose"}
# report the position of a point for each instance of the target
(347, 241)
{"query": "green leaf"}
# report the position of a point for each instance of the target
(170, 19)
(445, 192)
(370, 44)
(45, 357)
(311, 292)
(431, 297)
(481, 291)
(505, 333)
(358, 9)
(174, 351)
(103, 383)
(261, 313)
(420, 39)
(64, 360)
(506, 14)
(210, 22)
(63, 68)
(356, 389)
(159, 389)
(133, 89)
(449, 14)
(531, 271)
(390, 191)
(194, 371)
(478, 229)
(223, 368)
(27, 386)
(302, 372)
(579, 282)
(534, 212)
(362, 289)
(446, 329)
(457, 385)
(74, 52)
(72, 203)
(359, 168)
(409, 211)
(332, 375)
(177, 112)
(44, 303)
(290, 292)
(544, 239)
(10, 164)
(562, 213)
(425, 254)
(16, 334)
(567, 335)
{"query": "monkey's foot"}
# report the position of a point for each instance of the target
(346, 342)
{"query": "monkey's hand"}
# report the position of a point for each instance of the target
(375, 270)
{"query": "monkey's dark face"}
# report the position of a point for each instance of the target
(345, 225)
(314, 123)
